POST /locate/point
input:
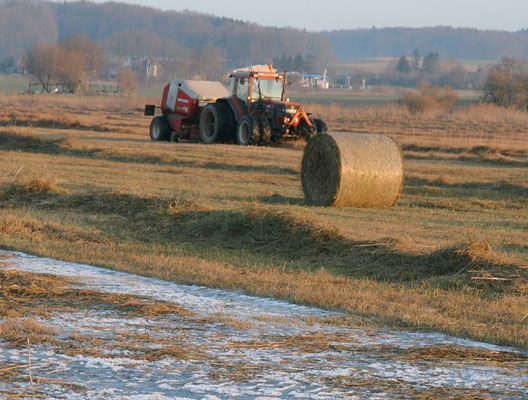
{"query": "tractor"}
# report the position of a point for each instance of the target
(255, 111)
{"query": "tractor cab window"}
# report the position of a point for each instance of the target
(242, 91)
(267, 89)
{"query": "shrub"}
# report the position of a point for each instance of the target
(429, 97)
(507, 84)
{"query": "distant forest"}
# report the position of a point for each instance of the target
(459, 43)
(131, 30)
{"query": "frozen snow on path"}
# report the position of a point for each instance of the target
(270, 353)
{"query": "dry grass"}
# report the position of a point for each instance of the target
(30, 186)
(476, 113)
(478, 124)
(25, 296)
(233, 217)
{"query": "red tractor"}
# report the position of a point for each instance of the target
(255, 111)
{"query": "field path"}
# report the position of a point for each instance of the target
(232, 346)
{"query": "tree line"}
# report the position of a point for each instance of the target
(460, 43)
(131, 30)
(175, 39)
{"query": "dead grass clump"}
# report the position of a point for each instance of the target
(256, 227)
(442, 180)
(293, 241)
(307, 343)
(171, 351)
(511, 188)
(23, 285)
(401, 389)
(481, 267)
(135, 304)
(30, 188)
(485, 150)
(453, 353)
(181, 206)
(28, 142)
(64, 121)
(458, 259)
(26, 294)
(38, 185)
(11, 225)
(18, 331)
(430, 98)
(35, 229)
(106, 202)
(48, 120)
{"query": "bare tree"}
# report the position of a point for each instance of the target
(207, 63)
(92, 51)
(42, 61)
(72, 68)
(71, 62)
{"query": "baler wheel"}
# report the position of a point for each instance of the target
(247, 131)
(216, 123)
(159, 128)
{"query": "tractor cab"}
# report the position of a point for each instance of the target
(263, 95)
(254, 86)
(250, 90)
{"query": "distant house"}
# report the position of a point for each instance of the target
(315, 80)
(145, 67)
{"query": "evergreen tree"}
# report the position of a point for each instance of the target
(417, 60)
(403, 65)
(298, 63)
(431, 62)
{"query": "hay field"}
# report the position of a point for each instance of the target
(81, 181)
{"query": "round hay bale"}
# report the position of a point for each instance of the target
(352, 170)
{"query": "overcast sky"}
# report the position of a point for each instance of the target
(509, 15)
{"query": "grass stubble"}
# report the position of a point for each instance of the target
(450, 257)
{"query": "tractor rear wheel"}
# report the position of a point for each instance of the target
(264, 130)
(159, 128)
(247, 131)
(216, 123)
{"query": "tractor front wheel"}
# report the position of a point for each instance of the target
(159, 128)
(264, 130)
